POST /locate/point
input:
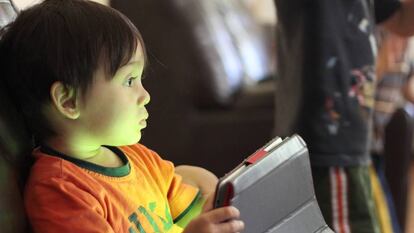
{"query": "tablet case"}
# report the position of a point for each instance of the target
(273, 190)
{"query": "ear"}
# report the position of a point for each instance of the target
(65, 100)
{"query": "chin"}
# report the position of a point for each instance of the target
(135, 140)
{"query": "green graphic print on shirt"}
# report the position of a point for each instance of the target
(137, 227)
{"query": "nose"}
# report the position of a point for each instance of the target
(144, 97)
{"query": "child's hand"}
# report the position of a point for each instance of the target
(221, 220)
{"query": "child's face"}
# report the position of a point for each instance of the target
(114, 112)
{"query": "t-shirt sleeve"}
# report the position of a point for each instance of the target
(181, 197)
(385, 8)
(56, 205)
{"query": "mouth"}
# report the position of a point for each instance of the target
(143, 122)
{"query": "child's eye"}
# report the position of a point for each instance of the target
(130, 81)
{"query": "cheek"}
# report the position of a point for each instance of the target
(117, 117)
(125, 129)
(114, 118)
(101, 115)
(120, 120)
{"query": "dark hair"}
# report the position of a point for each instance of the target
(66, 41)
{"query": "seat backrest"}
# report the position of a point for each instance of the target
(15, 145)
(205, 50)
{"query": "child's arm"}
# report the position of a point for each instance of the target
(224, 220)
(204, 180)
(198, 177)
(202, 218)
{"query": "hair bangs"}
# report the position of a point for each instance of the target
(120, 40)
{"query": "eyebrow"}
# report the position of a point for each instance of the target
(134, 64)
(132, 67)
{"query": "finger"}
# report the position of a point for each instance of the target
(231, 226)
(223, 214)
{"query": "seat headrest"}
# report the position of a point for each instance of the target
(15, 143)
(14, 138)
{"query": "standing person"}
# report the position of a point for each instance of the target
(393, 68)
(325, 92)
(74, 69)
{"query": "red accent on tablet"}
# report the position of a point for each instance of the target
(256, 156)
(229, 195)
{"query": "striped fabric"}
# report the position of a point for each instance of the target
(346, 199)
(339, 195)
(346, 194)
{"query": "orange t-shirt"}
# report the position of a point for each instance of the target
(69, 195)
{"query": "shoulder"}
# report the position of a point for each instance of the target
(47, 166)
(50, 171)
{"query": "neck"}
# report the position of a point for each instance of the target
(72, 149)
(92, 153)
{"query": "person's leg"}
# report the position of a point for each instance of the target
(361, 203)
(345, 198)
(323, 194)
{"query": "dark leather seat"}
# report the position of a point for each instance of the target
(15, 146)
(398, 154)
(209, 79)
